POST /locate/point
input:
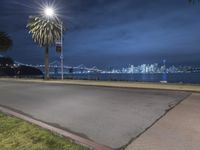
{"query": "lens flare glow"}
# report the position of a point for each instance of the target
(49, 11)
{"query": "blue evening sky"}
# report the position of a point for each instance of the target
(107, 33)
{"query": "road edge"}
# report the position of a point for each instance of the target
(114, 84)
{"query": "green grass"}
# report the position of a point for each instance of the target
(16, 134)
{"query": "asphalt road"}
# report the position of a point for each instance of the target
(109, 116)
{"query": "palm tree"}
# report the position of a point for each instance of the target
(5, 42)
(45, 31)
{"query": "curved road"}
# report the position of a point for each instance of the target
(109, 116)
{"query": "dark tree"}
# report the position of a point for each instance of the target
(28, 71)
(6, 67)
(194, 1)
(71, 70)
(5, 42)
(6, 61)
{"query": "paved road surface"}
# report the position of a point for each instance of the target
(109, 116)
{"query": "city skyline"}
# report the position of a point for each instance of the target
(154, 68)
(110, 33)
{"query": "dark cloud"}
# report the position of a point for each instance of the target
(111, 32)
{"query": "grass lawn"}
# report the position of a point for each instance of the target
(16, 134)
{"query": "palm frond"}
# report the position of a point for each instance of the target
(45, 31)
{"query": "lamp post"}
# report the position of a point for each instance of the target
(61, 55)
(49, 12)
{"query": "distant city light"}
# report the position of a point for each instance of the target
(154, 68)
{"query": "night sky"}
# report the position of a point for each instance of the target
(107, 33)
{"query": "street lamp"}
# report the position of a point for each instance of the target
(49, 12)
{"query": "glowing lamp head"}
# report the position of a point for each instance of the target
(49, 12)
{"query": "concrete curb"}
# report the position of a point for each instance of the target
(115, 84)
(77, 139)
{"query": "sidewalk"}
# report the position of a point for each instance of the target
(178, 130)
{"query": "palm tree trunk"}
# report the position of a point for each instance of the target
(46, 55)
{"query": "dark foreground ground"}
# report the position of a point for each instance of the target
(16, 134)
(110, 116)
